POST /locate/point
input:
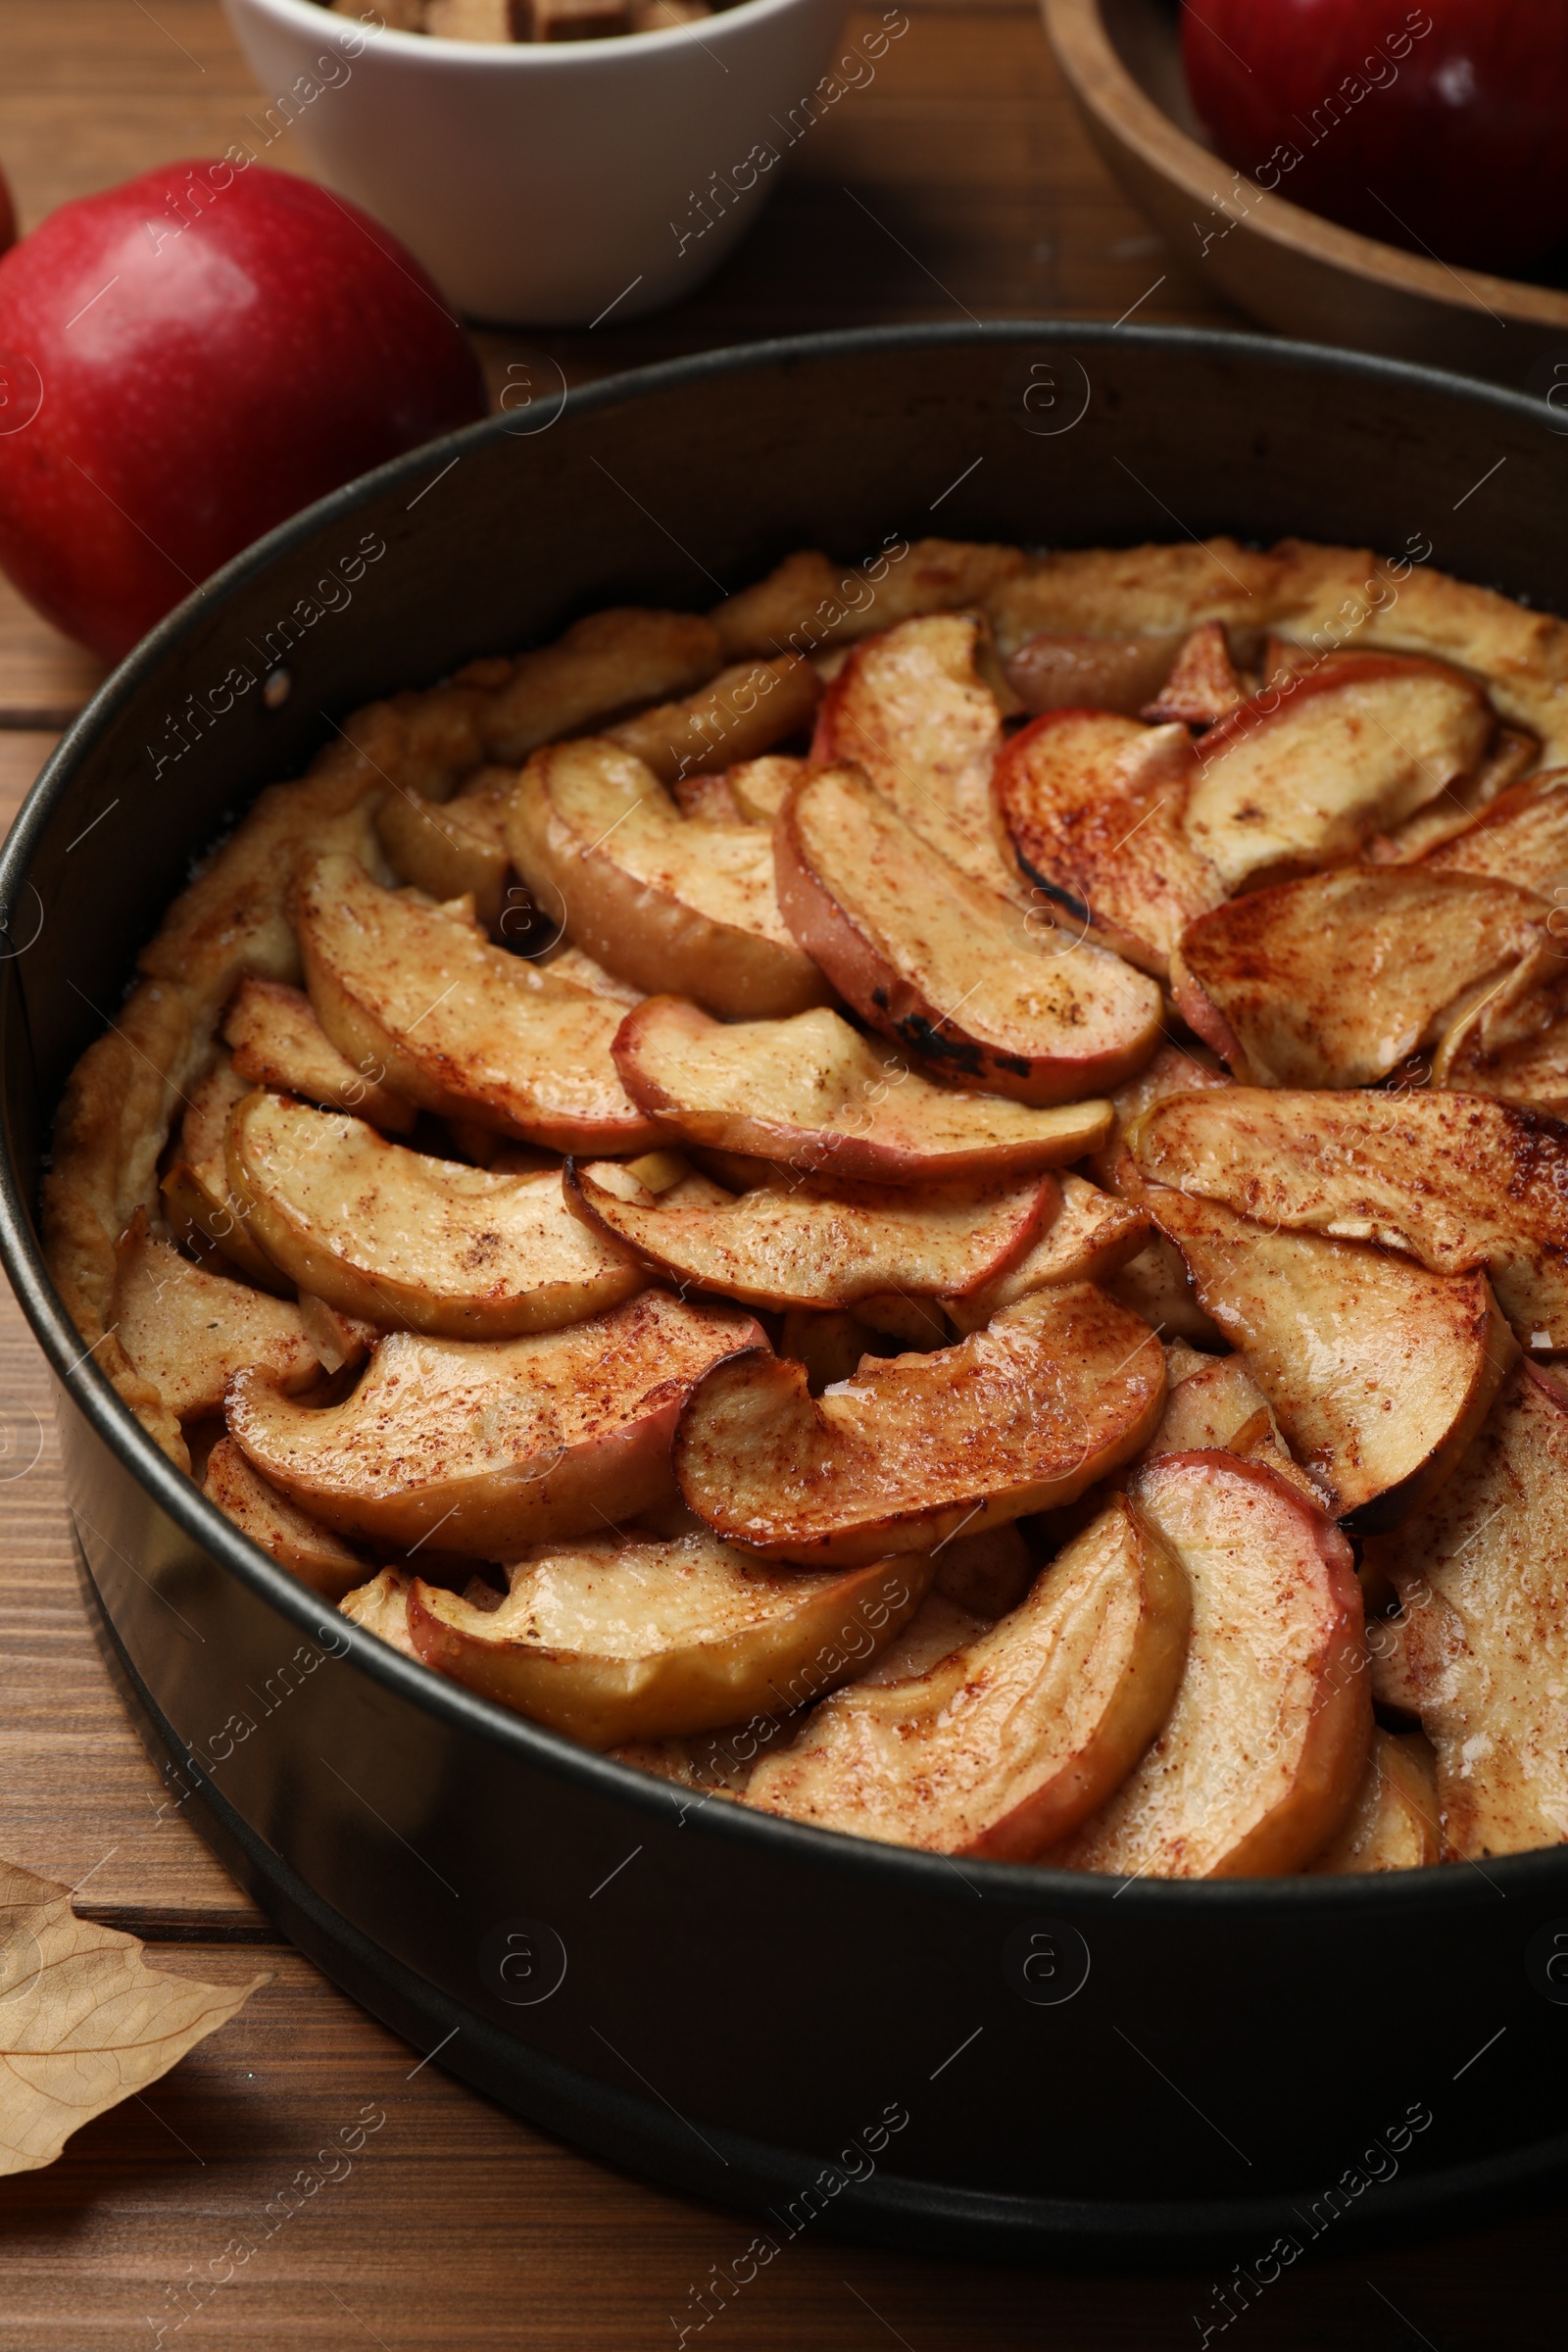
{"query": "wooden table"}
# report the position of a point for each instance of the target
(458, 2226)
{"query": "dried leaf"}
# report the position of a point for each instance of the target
(84, 2021)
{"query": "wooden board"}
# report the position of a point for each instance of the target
(456, 2226)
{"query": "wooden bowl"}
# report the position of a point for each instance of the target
(1288, 268)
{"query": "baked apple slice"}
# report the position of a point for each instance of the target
(1005, 1746)
(1521, 837)
(1056, 1392)
(1480, 1650)
(630, 1636)
(1089, 1236)
(278, 1042)
(382, 1607)
(911, 710)
(415, 1242)
(1393, 1824)
(1379, 1372)
(1450, 1179)
(1203, 687)
(1534, 1073)
(198, 1202)
(608, 662)
(1263, 1750)
(815, 1095)
(457, 847)
(760, 787)
(461, 1027)
(664, 900)
(295, 1541)
(1092, 805)
(740, 715)
(189, 1332)
(807, 601)
(1306, 772)
(952, 972)
(802, 1246)
(1067, 669)
(1335, 980)
(494, 1444)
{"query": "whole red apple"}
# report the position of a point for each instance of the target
(1442, 128)
(189, 359)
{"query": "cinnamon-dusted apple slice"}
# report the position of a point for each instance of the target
(1379, 1372)
(1533, 1074)
(494, 1444)
(952, 973)
(664, 900)
(1393, 1824)
(1336, 979)
(911, 710)
(1480, 1650)
(1092, 805)
(455, 848)
(608, 662)
(743, 714)
(1513, 753)
(1451, 1179)
(461, 1027)
(295, 1541)
(813, 1094)
(189, 1332)
(198, 1202)
(1173, 1070)
(1213, 1402)
(1261, 1755)
(809, 600)
(807, 1245)
(760, 787)
(1064, 670)
(415, 1242)
(1306, 772)
(1004, 1746)
(1089, 1236)
(278, 1042)
(382, 1607)
(1056, 1392)
(1203, 687)
(1522, 837)
(627, 1636)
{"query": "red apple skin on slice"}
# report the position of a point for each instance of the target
(629, 1636)
(1004, 1746)
(1261, 1755)
(910, 709)
(1056, 1394)
(495, 1444)
(814, 1096)
(294, 1539)
(1335, 980)
(914, 944)
(1091, 804)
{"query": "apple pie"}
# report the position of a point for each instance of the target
(933, 1202)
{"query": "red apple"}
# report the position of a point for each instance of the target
(188, 358)
(1442, 128)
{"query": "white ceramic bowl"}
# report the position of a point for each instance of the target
(549, 182)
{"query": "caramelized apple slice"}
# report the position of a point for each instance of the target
(189, 1333)
(1092, 805)
(1056, 1392)
(1380, 1372)
(666, 901)
(1213, 1403)
(809, 600)
(911, 710)
(806, 1247)
(499, 1443)
(1306, 772)
(1261, 1755)
(1481, 1649)
(742, 715)
(1004, 1746)
(952, 972)
(408, 1241)
(453, 849)
(1335, 980)
(1393, 1824)
(760, 787)
(295, 1541)
(1513, 755)
(1453, 1179)
(197, 1199)
(815, 1095)
(382, 1607)
(1203, 687)
(1063, 669)
(1533, 1074)
(1174, 1070)
(610, 662)
(636, 1636)
(1089, 1238)
(461, 1027)
(278, 1042)
(1521, 837)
